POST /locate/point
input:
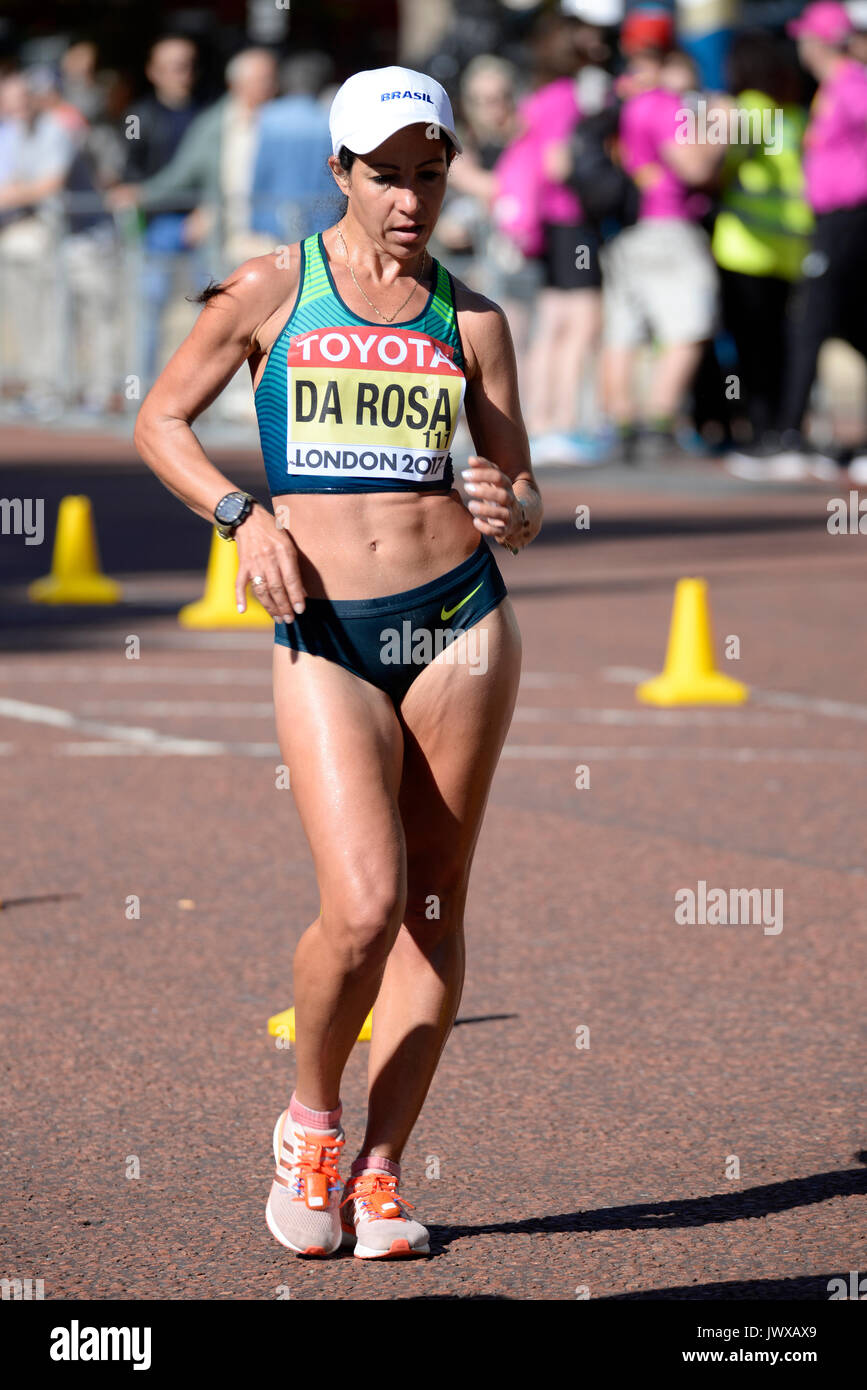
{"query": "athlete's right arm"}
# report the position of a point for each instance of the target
(228, 332)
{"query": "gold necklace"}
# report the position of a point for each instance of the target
(389, 318)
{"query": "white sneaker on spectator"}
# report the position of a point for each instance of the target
(543, 448)
(788, 467)
(857, 471)
(824, 468)
(564, 449)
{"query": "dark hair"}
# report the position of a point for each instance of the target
(212, 288)
(758, 61)
(348, 157)
(172, 36)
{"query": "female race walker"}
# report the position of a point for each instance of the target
(397, 654)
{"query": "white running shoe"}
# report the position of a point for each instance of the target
(303, 1210)
(376, 1220)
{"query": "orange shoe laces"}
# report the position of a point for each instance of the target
(318, 1159)
(320, 1155)
(378, 1193)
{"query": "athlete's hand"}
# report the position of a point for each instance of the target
(495, 508)
(266, 549)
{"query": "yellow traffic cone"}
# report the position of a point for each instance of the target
(283, 1026)
(689, 677)
(76, 576)
(217, 607)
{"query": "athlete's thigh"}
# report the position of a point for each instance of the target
(456, 716)
(343, 745)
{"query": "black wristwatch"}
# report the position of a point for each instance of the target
(230, 511)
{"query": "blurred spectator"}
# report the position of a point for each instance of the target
(833, 297)
(154, 128)
(58, 254)
(488, 106)
(157, 123)
(212, 169)
(680, 74)
(487, 120)
(660, 279)
(309, 73)
(45, 82)
(762, 231)
(293, 191)
(80, 81)
(475, 247)
(544, 217)
(39, 153)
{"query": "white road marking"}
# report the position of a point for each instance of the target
(114, 739)
(123, 670)
(546, 680)
(545, 752)
(132, 672)
(832, 709)
(648, 752)
(128, 735)
(528, 714)
(178, 747)
(201, 709)
(780, 699)
(664, 718)
(141, 672)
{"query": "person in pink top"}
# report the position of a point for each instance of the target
(649, 120)
(833, 297)
(536, 208)
(660, 281)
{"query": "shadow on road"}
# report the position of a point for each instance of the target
(813, 1287)
(484, 1018)
(809, 1286)
(750, 1204)
(37, 898)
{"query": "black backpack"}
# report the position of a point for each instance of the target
(609, 197)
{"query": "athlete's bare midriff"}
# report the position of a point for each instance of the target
(356, 545)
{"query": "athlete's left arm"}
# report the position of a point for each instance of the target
(504, 495)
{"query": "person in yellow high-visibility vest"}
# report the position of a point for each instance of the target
(762, 230)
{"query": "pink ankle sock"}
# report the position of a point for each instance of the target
(315, 1119)
(366, 1163)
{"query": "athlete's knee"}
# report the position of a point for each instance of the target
(362, 920)
(436, 909)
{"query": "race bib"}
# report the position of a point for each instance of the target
(371, 402)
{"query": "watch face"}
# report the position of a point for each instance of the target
(230, 508)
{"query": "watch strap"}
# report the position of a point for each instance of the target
(227, 529)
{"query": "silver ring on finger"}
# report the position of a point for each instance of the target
(258, 579)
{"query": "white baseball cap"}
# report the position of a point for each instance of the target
(604, 13)
(375, 104)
